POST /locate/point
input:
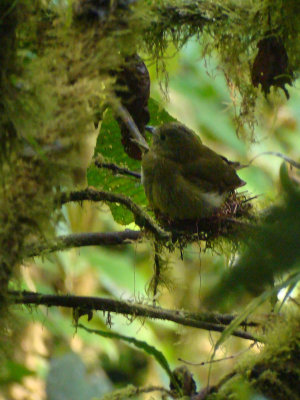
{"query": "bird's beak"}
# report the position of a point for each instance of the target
(150, 129)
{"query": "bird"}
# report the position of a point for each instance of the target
(183, 179)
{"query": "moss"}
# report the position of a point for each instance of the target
(231, 30)
(275, 371)
(54, 68)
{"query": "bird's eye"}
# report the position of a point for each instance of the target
(162, 136)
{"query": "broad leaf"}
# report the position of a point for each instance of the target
(109, 147)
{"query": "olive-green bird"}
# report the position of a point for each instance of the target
(183, 179)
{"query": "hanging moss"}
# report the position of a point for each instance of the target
(55, 67)
(231, 30)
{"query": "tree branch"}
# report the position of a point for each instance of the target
(116, 169)
(137, 137)
(207, 321)
(142, 219)
(83, 239)
(197, 14)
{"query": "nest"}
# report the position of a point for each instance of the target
(227, 221)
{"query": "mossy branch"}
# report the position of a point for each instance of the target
(207, 321)
(83, 239)
(127, 236)
(142, 219)
(196, 13)
(273, 372)
(131, 391)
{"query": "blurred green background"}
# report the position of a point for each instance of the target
(57, 362)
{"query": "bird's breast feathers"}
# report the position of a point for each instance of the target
(213, 199)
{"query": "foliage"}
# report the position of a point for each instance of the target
(110, 149)
(59, 62)
(152, 351)
(263, 373)
(270, 253)
(233, 30)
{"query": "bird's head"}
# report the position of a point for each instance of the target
(175, 142)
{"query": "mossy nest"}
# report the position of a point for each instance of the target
(230, 221)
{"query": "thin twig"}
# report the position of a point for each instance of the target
(277, 154)
(205, 321)
(142, 219)
(219, 359)
(157, 269)
(137, 137)
(115, 168)
(83, 239)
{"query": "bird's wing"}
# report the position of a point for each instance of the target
(212, 173)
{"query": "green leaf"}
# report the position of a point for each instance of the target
(151, 350)
(158, 115)
(109, 146)
(252, 306)
(109, 268)
(289, 290)
(289, 186)
(272, 250)
(14, 372)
